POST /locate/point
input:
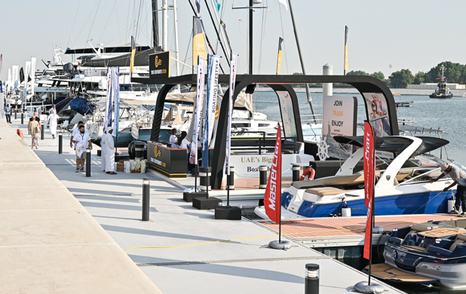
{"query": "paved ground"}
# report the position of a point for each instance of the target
(184, 250)
(49, 243)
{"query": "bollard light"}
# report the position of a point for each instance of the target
(263, 176)
(60, 144)
(296, 172)
(145, 199)
(88, 162)
(312, 274)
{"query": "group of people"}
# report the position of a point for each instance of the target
(35, 126)
(179, 141)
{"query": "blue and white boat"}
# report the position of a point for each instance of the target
(405, 184)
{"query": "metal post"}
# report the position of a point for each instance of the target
(311, 283)
(296, 169)
(263, 176)
(42, 131)
(88, 163)
(22, 118)
(60, 144)
(204, 179)
(231, 178)
(145, 199)
(251, 32)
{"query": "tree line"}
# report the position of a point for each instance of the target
(454, 73)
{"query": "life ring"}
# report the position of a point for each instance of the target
(308, 174)
(20, 133)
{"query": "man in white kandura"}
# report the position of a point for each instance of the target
(53, 121)
(107, 144)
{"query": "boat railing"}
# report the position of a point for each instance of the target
(261, 140)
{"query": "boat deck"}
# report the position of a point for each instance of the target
(346, 231)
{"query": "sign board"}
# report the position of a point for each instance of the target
(377, 113)
(159, 65)
(339, 119)
(171, 162)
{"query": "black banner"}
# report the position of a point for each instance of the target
(159, 65)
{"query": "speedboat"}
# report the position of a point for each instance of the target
(406, 182)
(435, 250)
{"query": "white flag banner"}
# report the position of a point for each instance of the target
(197, 110)
(233, 69)
(112, 108)
(210, 105)
(284, 3)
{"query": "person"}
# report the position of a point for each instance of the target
(458, 174)
(75, 132)
(34, 131)
(107, 145)
(173, 139)
(309, 174)
(8, 113)
(53, 120)
(81, 143)
(183, 143)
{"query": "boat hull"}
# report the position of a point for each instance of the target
(434, 96)
(414, 203)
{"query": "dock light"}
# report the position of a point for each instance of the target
(145, 199)
(312, 274)
(60, 144)
(88, 163)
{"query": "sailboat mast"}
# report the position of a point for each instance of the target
(251, 31)
(155, 23)
(301, 59)
(165, 25)
(177, 49)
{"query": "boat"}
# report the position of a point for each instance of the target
(442, 91)
(406, 182)
(435, 250)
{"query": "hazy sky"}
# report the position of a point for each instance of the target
(411, 34)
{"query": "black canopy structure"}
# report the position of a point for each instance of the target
(279, 84)
(396, 144)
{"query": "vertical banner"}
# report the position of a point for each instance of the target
(279, 56)
(133, 54)
(112, 109)
(233, 69)
(33, 75)
(273, 190)
(197, 110)
(369, 181)
(210, 105)
(199, 41)
(345, 53)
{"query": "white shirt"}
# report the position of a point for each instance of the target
(173, 139)
(184, 144)
(82, 141)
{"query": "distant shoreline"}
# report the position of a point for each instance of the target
(395, 91)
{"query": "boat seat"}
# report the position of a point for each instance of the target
(422, 227)
(325, 191)
(460, 238)
(439, 251)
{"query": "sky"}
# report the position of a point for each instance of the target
(383, 35)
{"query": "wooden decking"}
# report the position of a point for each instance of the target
(346, 230)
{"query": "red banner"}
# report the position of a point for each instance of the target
(273, 190)
(369, 182)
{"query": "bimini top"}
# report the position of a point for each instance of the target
(396, 144)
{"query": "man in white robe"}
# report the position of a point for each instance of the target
(107, 144)
(53, 121)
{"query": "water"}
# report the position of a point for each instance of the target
(448, 115)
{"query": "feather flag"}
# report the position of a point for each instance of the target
(284, 3)
(197, 111)
(233, 70)
(369, 181)
(279, 56)
(273, 190)
(345, 57)
(199, 41)
(133, 54)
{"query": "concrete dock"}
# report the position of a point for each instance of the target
(49, 242)
(183, 250)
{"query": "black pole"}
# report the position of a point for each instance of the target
(145, 199)
(196, 171)
(88, 163)
(22, 118)
(251, 31)
(308, 95)
(311, 280)
(42, 130)
(60, 144)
